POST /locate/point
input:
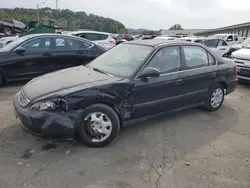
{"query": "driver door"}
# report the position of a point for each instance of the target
(33, 62)
(156, 95)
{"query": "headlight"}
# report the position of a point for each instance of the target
(51, 104)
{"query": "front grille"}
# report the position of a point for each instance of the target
(241, 59)
(23, 100)
(239, 62)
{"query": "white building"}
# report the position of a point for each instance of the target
(184, 32)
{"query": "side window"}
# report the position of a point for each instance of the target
(220, 43)
(103, 37)
(73, 44)
(167, 60)
(66, 44)
(195, 57)
(82, 35)
(38, 44)
(85, 45)
(92, 36)
(236, 38)
(211, 59)
(230, 38)
(60, 44)
(224, 43)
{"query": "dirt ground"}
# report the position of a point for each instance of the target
(190, 149)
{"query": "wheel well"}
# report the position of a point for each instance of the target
(111, 105)
(223, 84)
(4, 78)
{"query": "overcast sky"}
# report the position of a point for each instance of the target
(155, 14)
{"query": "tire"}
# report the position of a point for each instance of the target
(98, 133)
(211, 104)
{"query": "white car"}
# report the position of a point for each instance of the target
(104, 39)
(165, 37)
(6, 40)
(218, 46)
(192, 39)
(229, 38)
(242, 60)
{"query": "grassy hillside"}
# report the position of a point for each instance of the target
(65, 18)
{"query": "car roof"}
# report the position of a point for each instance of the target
(52, 35)
(96, 32)
(160, 42)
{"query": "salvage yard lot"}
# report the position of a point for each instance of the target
(192, 148)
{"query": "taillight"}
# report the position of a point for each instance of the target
(112, 41)
(235, 69)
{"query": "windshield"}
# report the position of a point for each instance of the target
(220, 36)
(246, 43)
(122, 60)
(13, 44)
(211, 43)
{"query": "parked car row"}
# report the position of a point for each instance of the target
(118, 88)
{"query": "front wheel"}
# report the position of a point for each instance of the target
(100, 125)
(215, 98)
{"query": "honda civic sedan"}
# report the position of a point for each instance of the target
(129, 83)
(34, 55)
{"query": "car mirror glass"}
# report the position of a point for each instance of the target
(149, 72)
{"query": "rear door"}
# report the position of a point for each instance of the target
(69, 52)
(198, 74)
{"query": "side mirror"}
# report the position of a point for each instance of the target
(149, 72)
(20, 50)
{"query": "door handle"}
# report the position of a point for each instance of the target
(213, 74)
(223, 49)
(178, 82)
(46, 54)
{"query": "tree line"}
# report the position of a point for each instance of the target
(65, 18)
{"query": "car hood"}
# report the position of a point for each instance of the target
(243, 53)
(64, 82)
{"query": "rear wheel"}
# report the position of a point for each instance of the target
(215, 98)
(100, 125)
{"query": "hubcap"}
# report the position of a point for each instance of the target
(99, 126)
(216, 98)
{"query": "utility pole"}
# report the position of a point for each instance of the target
(38, 16)
(56, 4)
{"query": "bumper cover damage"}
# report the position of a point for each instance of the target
(56, 125)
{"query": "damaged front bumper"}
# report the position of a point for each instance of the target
(56, 125)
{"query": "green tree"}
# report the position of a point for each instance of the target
(65, 18)
(176, 27)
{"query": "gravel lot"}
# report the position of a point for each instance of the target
(192, 148)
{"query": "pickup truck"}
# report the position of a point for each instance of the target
(229, 38)
(122, 87)
(242, 60)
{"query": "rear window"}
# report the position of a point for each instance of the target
(103, 37)
(211, 43)
(93, 36)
